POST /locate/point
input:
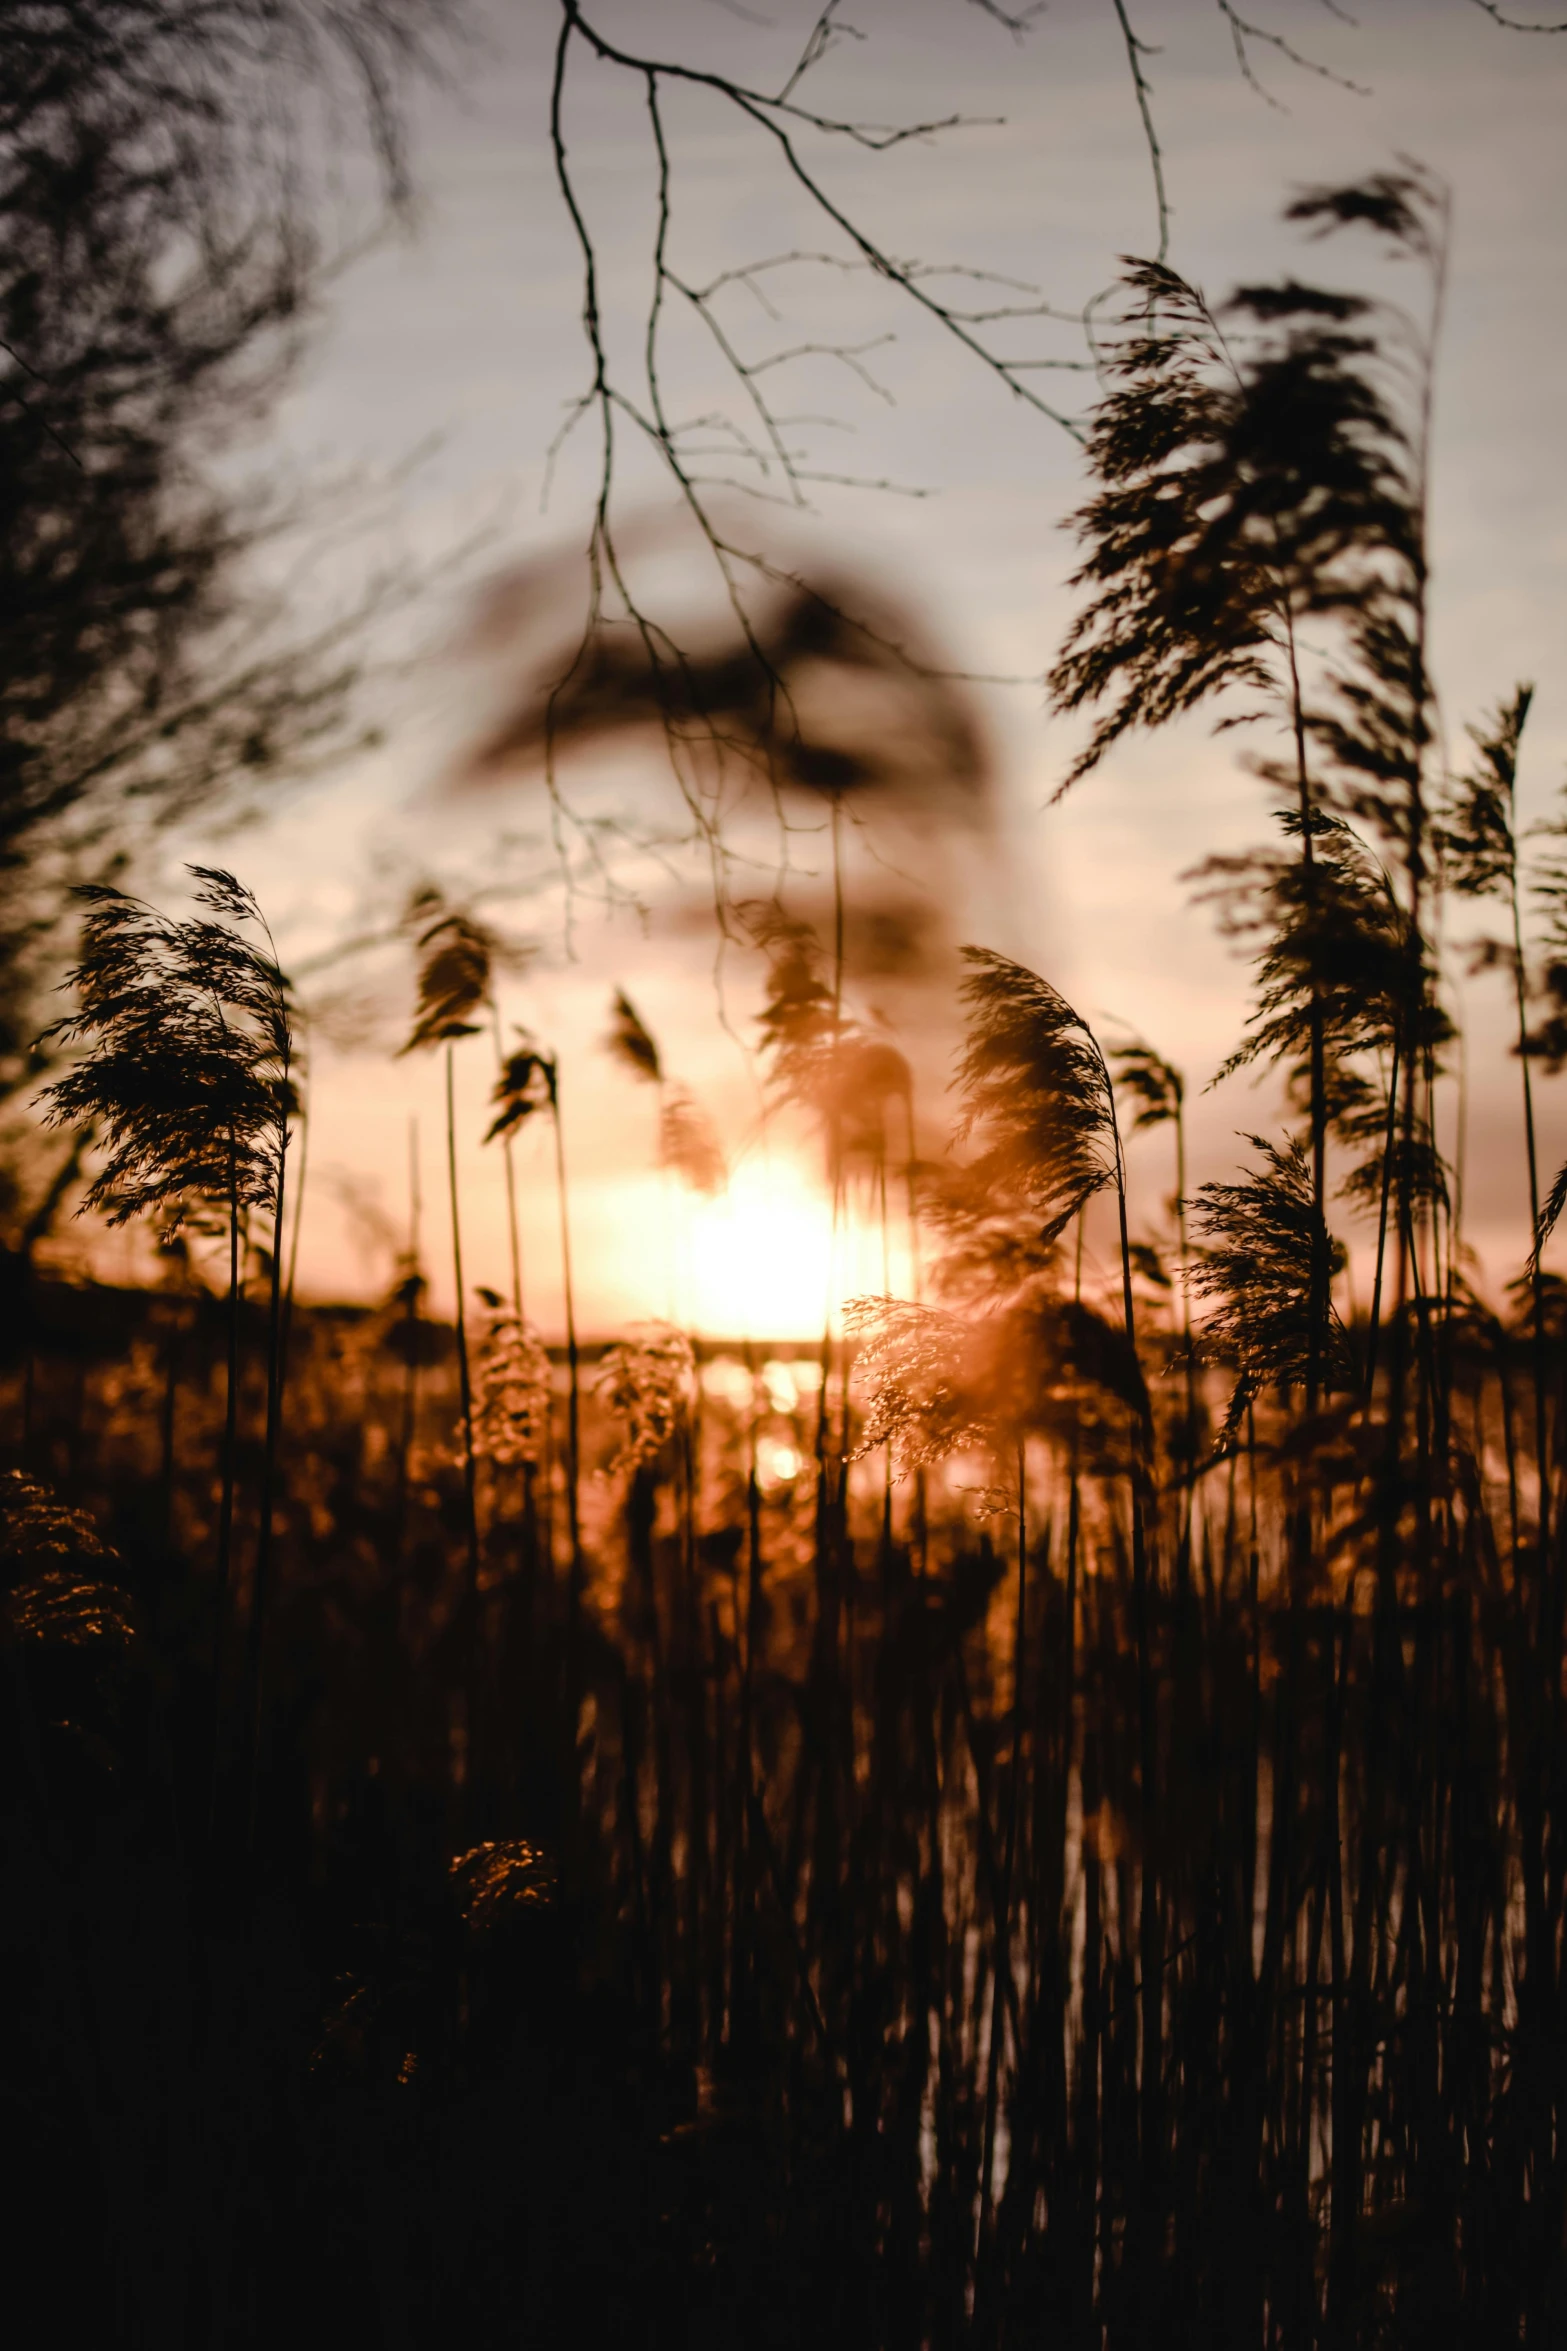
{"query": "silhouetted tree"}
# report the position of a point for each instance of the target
(160, 249)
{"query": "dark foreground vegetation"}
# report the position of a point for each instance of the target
(813, 2001)
(1028, 1822)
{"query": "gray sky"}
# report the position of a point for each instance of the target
(469, 332)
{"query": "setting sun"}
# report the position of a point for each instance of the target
(762, 1260)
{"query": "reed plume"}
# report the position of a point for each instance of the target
(687, 1144)
(453, 978)
(1256, 477)
(512, 1390)
(631, 1044)
(1260, 1240)
(188, 1079)
(1476, 838)
(528, 1085)
(647, 1381)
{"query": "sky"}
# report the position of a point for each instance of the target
(444, 365)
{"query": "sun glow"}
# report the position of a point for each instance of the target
(763, 1261)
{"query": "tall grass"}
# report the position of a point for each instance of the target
(809, 2025)
(1044, 1819)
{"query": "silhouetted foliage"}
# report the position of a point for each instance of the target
(1036, 1100)
(159, 254)
(1253, 475)
(1254, 1274)
(526, 1085)
(186, 1078)
(688, 1144)
(631, 1044)
(456, 955)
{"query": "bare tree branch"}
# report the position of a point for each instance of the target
(1242, 31)
(1136, 51)
(1514, 24)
